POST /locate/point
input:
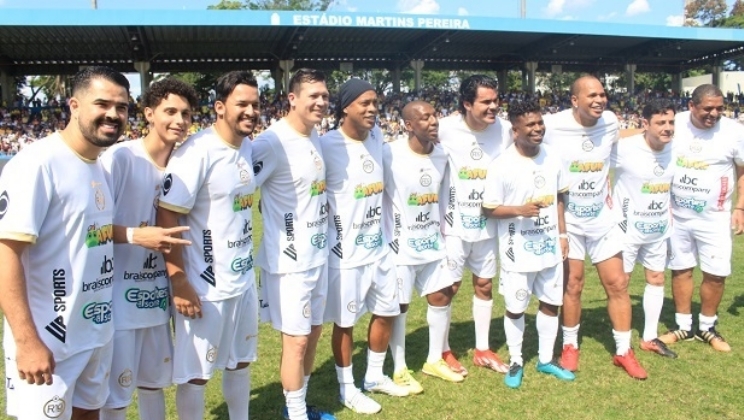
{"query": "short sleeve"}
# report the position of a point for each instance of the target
(264, 158)
(25, 197)
(493, 192)
(739, 148)
(184, 176)
(115, 169)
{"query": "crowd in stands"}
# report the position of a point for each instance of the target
(25, 121)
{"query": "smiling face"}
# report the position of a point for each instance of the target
(362, 113)
(482, 112)
(529, 130)
(708, 112)
(310, 102)
(240, 110)
(660, 129)
(170, 119)
(101, 111)
(589, 100)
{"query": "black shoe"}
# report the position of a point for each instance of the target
(713, 338)
(657, 346)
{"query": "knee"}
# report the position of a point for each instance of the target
(456, 287)
(548, 309)
(440, 298)
(574, 285)
(512, 315)
(295, 347)
(712, 280)
(616, 285)
(200, 382)
(483, 287)
(655, 278)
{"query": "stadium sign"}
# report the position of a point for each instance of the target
(371, 21)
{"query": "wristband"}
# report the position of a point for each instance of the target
(130, 235)
(563, 236)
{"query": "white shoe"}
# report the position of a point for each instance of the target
(386, 386)
(360, 403)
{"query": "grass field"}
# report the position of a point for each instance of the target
(701, 384)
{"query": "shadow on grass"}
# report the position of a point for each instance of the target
(738, 302)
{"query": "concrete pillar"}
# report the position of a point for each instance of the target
(531, 69)
(630, 76)
(276, 75)
(7, 84)
(143, 68)
(717, 69)
(417, 65)
(396, 79)
(503, 76)
(286, 66)
(677, 83)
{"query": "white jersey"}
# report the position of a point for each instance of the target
(585, 152)
(210, 183)
(470, 153)
(643, 179)
(60, 203)
(527, 244)
(141, 297)
(411, 210)
(705, 175)
(354, 179)
(290, 170)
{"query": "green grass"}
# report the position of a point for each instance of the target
(701, 384)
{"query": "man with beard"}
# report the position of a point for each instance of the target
(361, 275)
(707, 150)
(289, 168)
(56, 245)
(209, 187)
(134, 170)
(583, 136)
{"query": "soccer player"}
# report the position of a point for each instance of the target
(134, 170)
(414, 172)
(643, 175)
(289, 168)
(583, 136)
(56, 248)
(524, 192)
(708, 151)
(208, 186)
(472, 139)
(361, 274)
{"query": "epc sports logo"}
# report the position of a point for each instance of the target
(99, 236)
(423, 244)
(648, 188)
(472, 222)
(649, 228)
(98, 312)
(577, 166)
(242, 202)
(363, 191)
(369, 241)
(471, 173)
(319, 240)
(690, 203)
(540, 247)
(317, 188)
(417, 199)
(148, 299)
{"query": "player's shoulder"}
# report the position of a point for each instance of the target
(450, 122)
(333, 138)
(39, 153)
(609, 118)
(123, 150)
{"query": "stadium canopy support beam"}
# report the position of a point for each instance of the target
(717, 69)
(276, 74)
(6, 83)
(286, 66)
(503, 76)
(530, 68)
(677, 83)
(630, 70)
(143, 68)
(396, 79)
(417, 65)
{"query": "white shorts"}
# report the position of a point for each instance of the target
(652, 256)
(79, 381)
(225, 335)
(479, 257)
(710, 243)
(427, 278)
(355, 291)
(294, 302)
(143, 357)
(546, 285)
(599, 249)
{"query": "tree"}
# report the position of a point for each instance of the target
(50, 86)
(705, 12)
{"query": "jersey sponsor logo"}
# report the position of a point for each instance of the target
(207, 246)
(368, 166)
(367, 190)
(472, 222)
(542, 200)
(242, 202)
(522, 294)
(339, 227)
(54, 408)
(542, 220)
(452, 199)
(723, 192)
(324, 209)
(540, 247)
(583, 167)
(96, 236)
(107, 266)
(98, 196)
(424, 244)
(352, 307)
(98, 312)
(338, 250)
(394, 246)
(257, 167)
(539, 181)
(167, 183)
(208, 276)
(150, 262)
(696, 146)
(9, 381)
(684, 162)
(242, 265)
(422, 199)
(587, 145)
(649, 188)
(125, 379)
(4, 203)
(317, 188)
(369, 241)
(211, 355)
(686, 180)
(289, 226)
(245, 176)
(149, 273)
(319, 240)
(59, 287)
(57, 329)
(690, 203)
(510, 243)
(245, 240)
(650, 228)
(291, 252)
(585, 211)
(468, 173)
(449, 218)
(425, 180)
(476, 153)
(624, 224)
(655, 205)
(475, 195)
(148, 299)
(658, 170)
(585, 185)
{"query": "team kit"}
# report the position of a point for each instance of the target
(129, 266)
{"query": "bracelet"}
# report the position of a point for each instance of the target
(130, 235)
(563, 236)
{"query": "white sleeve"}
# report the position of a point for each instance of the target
(184, 176)
(264, 158)
(493, 192)
(116, 169)
(739, 148)
(26, 191)
(562, 178)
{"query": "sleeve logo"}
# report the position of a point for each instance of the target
(4, 202)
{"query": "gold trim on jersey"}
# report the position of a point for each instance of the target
(149, 156)
(20, 237)
(171, 207)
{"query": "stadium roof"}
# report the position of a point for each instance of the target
(60, 41)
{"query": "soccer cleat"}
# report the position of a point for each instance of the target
(312, 414)
(361, 404)
(629, 362)
(553, 368)
(387, 386)
(406, 380)
(513, 378)
(570, 358)
(713, 338)
(453, 363)
(673, 336)
(489, 359)
(439, 369)
(657, 346)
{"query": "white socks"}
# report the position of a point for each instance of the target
(482, 319)
(236, 390)
(375, 361)
(295, 400)
(653, 300)
(547, 332)
(190, 401)
(705, 323)
(514, 330)
(345, 378)
(683, 321)
(446, 346)
(111, 414)
(622, 342)
(151, 404)
(436, 317)
(571, 336)
(398, 342)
